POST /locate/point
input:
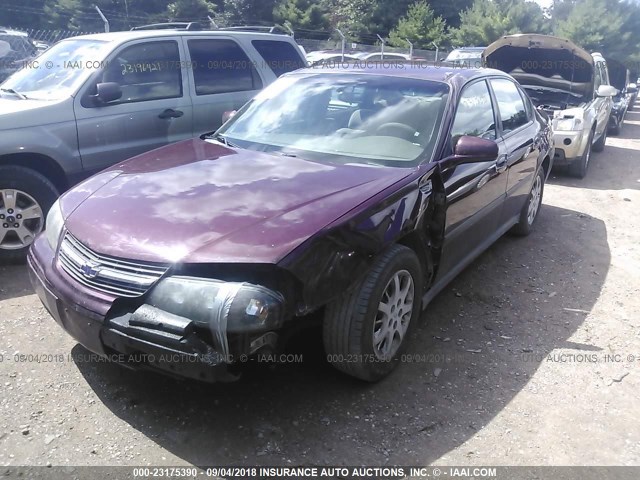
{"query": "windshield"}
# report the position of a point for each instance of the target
(345, 118)
(57, 73)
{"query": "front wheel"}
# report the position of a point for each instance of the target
(599, 145)
(25, 199)
(365, 330)
(531, 208)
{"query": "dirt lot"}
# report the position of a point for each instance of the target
(531, 356)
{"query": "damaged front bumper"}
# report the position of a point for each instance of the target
(569, 146)
(190, 327)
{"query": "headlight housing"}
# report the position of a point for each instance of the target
(567, 124)
(234, 307)
(54, 225)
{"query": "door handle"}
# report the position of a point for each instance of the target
(171, 113)
(501, 163)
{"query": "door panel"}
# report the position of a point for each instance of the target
(223, 78)
(475, 192)
(518, 130)
(155, 108)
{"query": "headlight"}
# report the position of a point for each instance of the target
(54, 225)
(233, 307)
(567, 124)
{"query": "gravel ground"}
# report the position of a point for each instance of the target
(530, 357)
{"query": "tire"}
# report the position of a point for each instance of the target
(531, 208)
(579, 167)
(599, 145)
(351, 320)
(33, 194)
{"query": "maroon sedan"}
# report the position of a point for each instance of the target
(348, 195)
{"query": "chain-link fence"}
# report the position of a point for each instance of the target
(16, 45)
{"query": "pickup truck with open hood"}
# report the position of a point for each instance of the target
(565, 81)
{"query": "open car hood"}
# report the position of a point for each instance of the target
(555, 71)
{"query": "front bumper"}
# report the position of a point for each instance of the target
(137, 335)
(569, 146)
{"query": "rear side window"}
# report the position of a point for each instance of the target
(281, 57)
(146, 71)
(221, 66)
(474, 115)
(513, 113)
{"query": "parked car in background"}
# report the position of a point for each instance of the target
(619, 78)
(328, 58)
(96, 100)
(352, 196)
(16, 50)
(469, 57)
(379, 56)
(569, 84)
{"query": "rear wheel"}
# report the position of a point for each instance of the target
(365, 330)
(25, 199)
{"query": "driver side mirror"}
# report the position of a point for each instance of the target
(107, 92)
(469, 149)
(606, 91)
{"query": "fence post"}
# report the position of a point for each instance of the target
(104, 19)
(410, 48)
(343, 42)
(381, 46)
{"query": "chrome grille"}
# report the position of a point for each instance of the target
(122, 278)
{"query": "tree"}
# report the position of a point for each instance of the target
(249, 11)
(420, 26)
(487, 20)
(599, 25)
(302, 14)
(190, 10)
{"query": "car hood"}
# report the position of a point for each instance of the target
(18, 113)
(198, 201)
(555, 71)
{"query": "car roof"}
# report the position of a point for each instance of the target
(418, 70)
(119, 37)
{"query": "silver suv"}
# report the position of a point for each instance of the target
(569, 84)
(91, 101)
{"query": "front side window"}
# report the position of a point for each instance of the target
(146, 71)
(474, 115)
(221, 66)
(281, 57)
(513, 113)
(343, 118)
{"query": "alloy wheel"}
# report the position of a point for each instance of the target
(21, 219)
(393, 316)
(534, 200)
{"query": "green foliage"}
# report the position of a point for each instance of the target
(186, 10)
(420, 26)
(598, 25)
(302, 14)
(249, 11)
(487, 20)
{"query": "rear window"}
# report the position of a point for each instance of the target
(281, 57)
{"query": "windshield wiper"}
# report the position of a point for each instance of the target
(13, 92)
(222, 139)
